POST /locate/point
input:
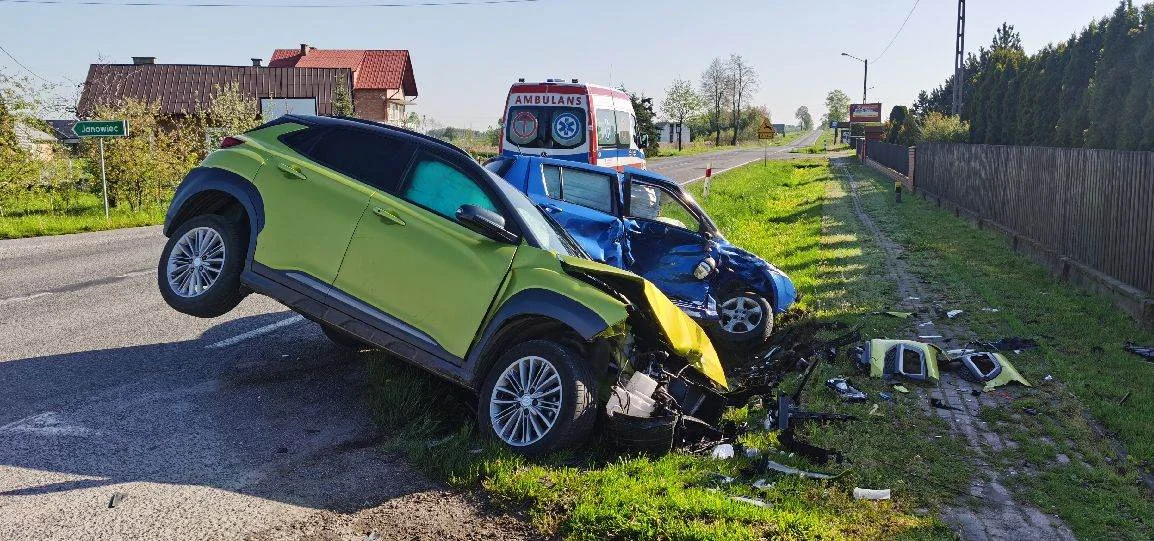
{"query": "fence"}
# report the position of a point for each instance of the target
(1095, 207)
(895, 157)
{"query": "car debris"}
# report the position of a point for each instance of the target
(909, 359)
(750, 501)
(954, 313)
(991, 369)
(942, 405)
(901, 389)
(1146, 352)
(871, 494)
(116, 498)
(722, 451)
(847, 392)
(771, 465)
(1013, 343)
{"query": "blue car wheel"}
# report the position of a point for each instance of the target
(745, 319)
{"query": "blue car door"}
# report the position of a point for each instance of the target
(586, 203)
(666, 244)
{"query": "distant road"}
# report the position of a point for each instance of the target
(686, 169)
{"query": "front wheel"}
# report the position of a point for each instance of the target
(199, 269)
(539, 397)
(746, 319)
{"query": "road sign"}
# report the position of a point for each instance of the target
(101, 128)
(766, 130)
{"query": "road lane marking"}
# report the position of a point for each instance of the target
(25, 298)
(81, 285)
(255, 332)
(49, 423)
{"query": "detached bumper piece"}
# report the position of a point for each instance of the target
(658, 411)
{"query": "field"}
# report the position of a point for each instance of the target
(37, 216)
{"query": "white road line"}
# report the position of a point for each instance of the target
(25, 298)
(255, 332)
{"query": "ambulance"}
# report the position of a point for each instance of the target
(572, 121)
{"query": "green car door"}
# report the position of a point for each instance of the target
(311, 204)
(411, 259)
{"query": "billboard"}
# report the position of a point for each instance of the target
(865, 112)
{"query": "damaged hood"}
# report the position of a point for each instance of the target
(686, 338)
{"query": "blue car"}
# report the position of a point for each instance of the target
(644, 222)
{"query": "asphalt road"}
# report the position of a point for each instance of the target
(686, 169)
(250, 424)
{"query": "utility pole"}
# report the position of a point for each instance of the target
(865, 76)
(959, 59)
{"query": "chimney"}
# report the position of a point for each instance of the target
(304, 49)
(256, 62)
(142, 60)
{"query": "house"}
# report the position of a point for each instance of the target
(62, 129)
(383, 82)
(181, 89)
(669, 133)
(37, 143)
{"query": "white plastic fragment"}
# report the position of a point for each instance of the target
(990, 310)
(870, 494)
(762, 484)
(775, 466)
(953, 313)
(1048, 378)
(723, 451)
(635, 398)
(750, 501)
(750, 452)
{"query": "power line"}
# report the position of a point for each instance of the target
(26, 68)
(898, 33)
(271, 5)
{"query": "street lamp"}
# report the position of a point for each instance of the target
(865, 76)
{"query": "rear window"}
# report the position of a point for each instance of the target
(545, 127)
(371, 158)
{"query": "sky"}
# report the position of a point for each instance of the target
(465, 57)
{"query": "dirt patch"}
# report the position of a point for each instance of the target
(990, 510)
(435, 515)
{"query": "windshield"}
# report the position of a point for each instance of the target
(539, 227)
(545, 127)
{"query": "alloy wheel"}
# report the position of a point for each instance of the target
(195, 262)
(526, 401)
(740, 315)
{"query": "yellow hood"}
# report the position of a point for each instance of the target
(684, 336)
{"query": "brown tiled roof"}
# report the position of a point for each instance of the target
(181, 88)
(374, 68)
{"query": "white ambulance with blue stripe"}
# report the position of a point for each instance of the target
(571, 121)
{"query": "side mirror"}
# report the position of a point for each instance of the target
(485, 222)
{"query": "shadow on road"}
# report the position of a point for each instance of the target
(278, 417)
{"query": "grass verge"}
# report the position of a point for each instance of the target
(36, 218)
(793, 215)
(1074, 430)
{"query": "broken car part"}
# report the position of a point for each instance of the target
(842, 387)
(909, 359)
(790, 470)
(992, 369)
(1145, 352)
(870, 494)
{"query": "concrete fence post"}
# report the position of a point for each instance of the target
(910, 171)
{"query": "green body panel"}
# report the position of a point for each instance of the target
(241, 160)
(877, 349)
(425, 270)
(310, 211)
(534, 268)
(1008, 374)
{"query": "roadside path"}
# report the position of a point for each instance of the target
(686, 169)
(250, 424)
(994, 514)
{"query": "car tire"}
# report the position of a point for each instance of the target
(198, 242)
(344, 338)
(541, 425)
(745, 319)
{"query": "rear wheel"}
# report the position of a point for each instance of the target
(539, 397)
(199, 269)
(746, 319)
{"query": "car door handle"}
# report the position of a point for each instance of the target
(292, 171)
(388, 216)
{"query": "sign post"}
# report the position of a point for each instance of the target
(101, 129)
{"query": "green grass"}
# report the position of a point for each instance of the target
(793, 215)
(702, 146)
(1097, 492)
(35, 216)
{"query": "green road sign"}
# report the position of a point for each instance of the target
(101, 128)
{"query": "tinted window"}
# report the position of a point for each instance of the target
(546, 127)
(585, 188)
(374, 159)
(442, 188)
(301, 140)
(653, 203)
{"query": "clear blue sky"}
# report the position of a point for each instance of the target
(465, 57)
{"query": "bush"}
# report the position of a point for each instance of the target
(937, 127)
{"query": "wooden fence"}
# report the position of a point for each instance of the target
(896, 157)
(1095, 207)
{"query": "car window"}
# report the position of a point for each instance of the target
(301, 140)
(580, 187)
(624, 128)
(442, 188)
(606, 128)
(373, 159)
(653, 203)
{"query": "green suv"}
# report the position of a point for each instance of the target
(387, 238)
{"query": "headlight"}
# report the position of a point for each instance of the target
(704, 268)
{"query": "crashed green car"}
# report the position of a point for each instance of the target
(388, 238)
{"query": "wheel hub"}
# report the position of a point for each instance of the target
(526, 401)
(741, 314)
(195, 262)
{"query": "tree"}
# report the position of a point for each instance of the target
(1112, 80)
(743, 81)
(944, 128)
(715, 88)
(837, 107)
(681, 101)
(342, 99)
(804, 119)
(646, 128)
